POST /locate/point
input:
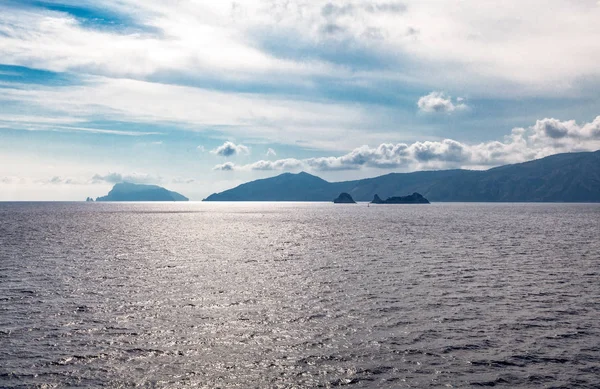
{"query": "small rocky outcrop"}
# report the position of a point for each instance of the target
(415, 198)
(344, 198)
(89, 199)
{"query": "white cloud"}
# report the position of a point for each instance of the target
(546, 137)
(439, 102)
(189, 38)
(57, 180)
(555, 130)
(227, 166)
(30, 119)
(455, 42)
(95, 181)
(281, 164)
(54, 180)
(278, 119)
(448, 45)
(56, 122)
(271, 152)
(229, 149)
(135, 178)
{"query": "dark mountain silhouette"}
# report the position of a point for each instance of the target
(285, 187)
(571, 177)
(127, 191)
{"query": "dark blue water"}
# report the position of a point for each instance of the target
(299, 295)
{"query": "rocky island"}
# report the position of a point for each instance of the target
(344, 198)
(415, 198)
(127, 191)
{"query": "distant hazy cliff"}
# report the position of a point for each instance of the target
(571, 177)
(136, 192)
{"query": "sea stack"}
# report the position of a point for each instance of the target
(344, 198)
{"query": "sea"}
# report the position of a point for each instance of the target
(299, 295)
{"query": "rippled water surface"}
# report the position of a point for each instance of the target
(299, 295)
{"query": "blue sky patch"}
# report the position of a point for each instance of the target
(25, 75)
(90, 15)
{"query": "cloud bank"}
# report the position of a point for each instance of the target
(486, 40)
(546, 137)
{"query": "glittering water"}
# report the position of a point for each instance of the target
(266, 295)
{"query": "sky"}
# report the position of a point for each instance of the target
(200, 96)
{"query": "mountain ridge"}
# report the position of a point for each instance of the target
(568, 177)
